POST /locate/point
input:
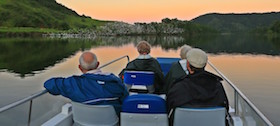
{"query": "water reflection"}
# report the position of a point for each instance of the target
(242, 44)
(24, 56)
(28, 56)
(236, 44)
(256, 75)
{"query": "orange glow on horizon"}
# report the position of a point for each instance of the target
(155, 10)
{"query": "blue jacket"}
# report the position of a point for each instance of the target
(90, 89)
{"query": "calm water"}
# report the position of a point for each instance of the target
(252, 63)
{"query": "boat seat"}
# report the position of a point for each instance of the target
(144, 110)
(94, 115)
(199, 116)
(139, 81)
(166, 63)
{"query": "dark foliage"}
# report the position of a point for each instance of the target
(238, 22)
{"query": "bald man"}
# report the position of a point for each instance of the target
(92, 87)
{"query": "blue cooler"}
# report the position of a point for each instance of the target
(144, 103)
(139, 78)
(139, 81)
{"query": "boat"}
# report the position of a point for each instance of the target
(44, 109)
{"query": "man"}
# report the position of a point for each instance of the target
(144, 62)
(198, 89)
(92, 87)
(178, 69)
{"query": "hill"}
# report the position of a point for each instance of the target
(42, 14)
(238, 22)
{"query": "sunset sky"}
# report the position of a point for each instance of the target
(154, 10)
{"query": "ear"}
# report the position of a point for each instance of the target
(97, 65)
(188, 65)
(189, 68)
(80, 68)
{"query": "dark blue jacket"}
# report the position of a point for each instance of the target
(90, 89)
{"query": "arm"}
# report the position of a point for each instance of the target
(226, 104)
(124, 91)
(178, 96)
(60, 86)
(159, 77)
(125, 94)
(114, 88)
(167, 80)
(175, 72)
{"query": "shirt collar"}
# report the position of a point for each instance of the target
(183, 64)
(144, 56)
(96, 71)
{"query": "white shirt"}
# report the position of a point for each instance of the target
(144, 56)
(183, 64)
(96, 71)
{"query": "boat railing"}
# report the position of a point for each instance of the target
(243, 107)
(8, 116)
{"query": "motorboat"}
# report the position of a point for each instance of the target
(138, 109)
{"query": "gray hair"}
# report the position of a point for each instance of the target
(88, 65)
(184, 51)
(143, 47)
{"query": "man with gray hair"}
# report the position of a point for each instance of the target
(184, 50)
(92, 87)
(178, 69)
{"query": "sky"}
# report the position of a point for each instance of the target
(132, 11)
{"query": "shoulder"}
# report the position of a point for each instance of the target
(180, 86)
(205, 75)
(154, 60)
(181, 80)
(213, 76)
(175, 65)
(131, 63)
(53, 79)
(99, 75)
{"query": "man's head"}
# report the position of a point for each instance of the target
(196, 60)
(184, 51)
(88, 61)
(143, 48)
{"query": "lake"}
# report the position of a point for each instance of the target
(250, 62)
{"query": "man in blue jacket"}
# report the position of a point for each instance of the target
(92, 87)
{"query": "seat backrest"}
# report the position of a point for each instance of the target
(144, 110)
(200, 116)
(139, 81)
(166, 63)
(94, 115)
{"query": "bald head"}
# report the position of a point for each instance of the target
(88, 61)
